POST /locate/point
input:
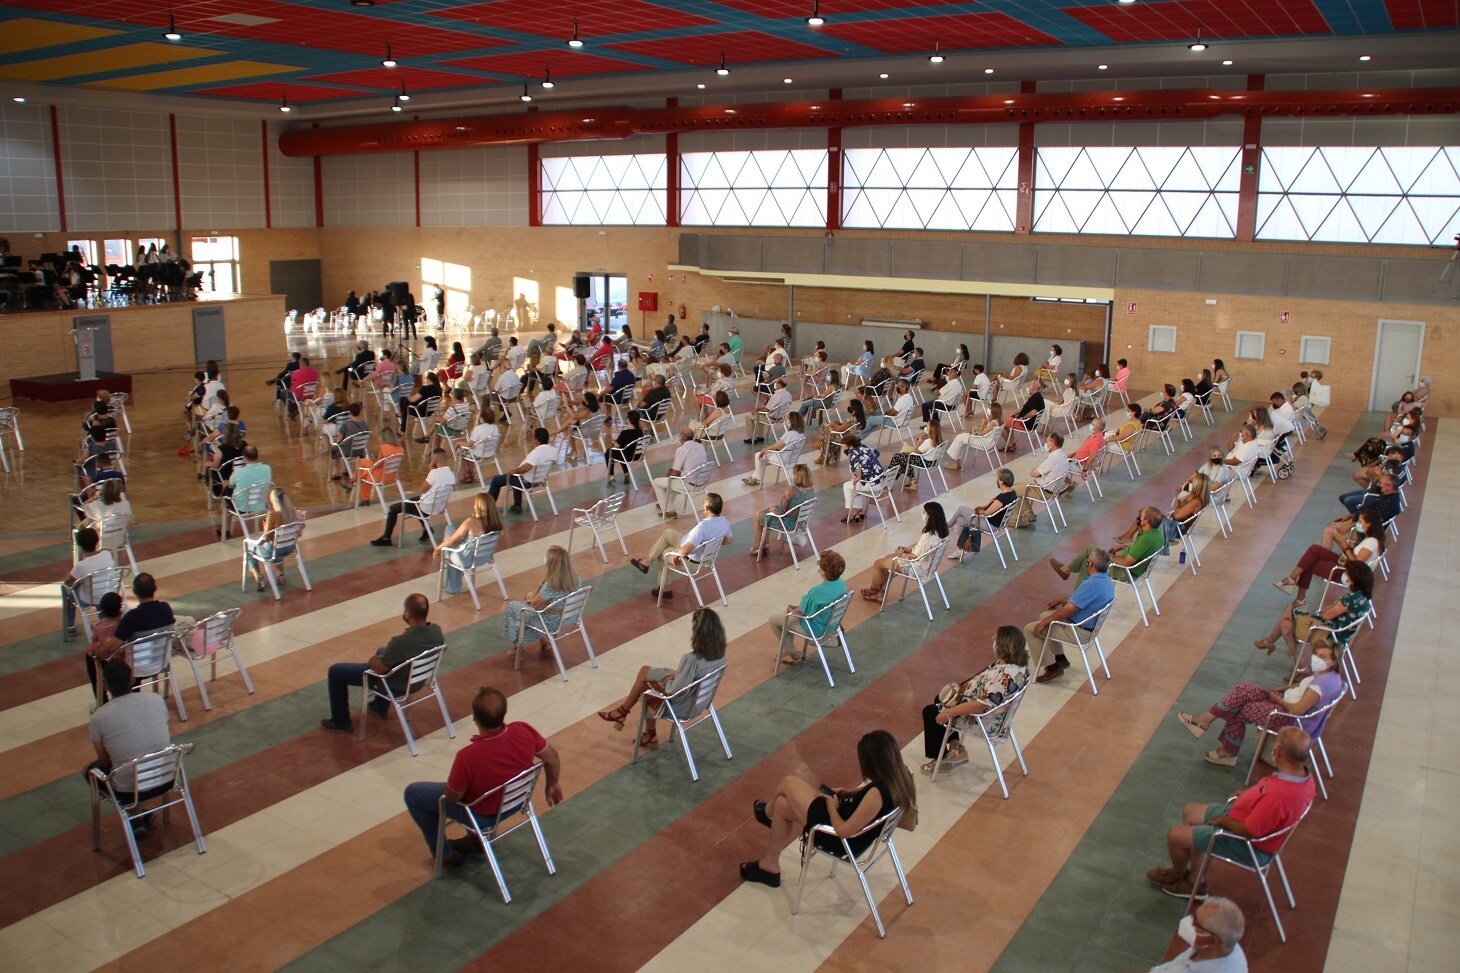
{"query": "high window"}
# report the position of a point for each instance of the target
(604, 190)
(781, 187)
(217, 258)
(930, 189)
(1145, 191)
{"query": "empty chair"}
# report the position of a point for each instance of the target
(686, 707)
(823, 840)
(140, 781)
(996, 726)
(208, 640)
(558, 619)
(601, 519)
(421, 685)
(506, 801)
(826, 620)
(475, 553)
(269, 551)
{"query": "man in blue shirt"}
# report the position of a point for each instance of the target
(832, 587)
(1080, 610)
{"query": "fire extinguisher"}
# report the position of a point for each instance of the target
(683, 312)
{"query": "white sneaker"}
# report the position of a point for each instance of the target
(956, 554)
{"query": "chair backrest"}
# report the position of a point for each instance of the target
(1121, 574)
(385, 467)
(99, 582)
(308, 390)
(568, 609)
(658, 411)
(147, 772)
(216, 629)
(515, 792)
(708, 552)
(434, 500)
(804, 510)
(422, 669)
(113, 528)
(541, 472)
(602, 513)
(285, 537)
(356, 444)
(633, 450)
(831, 616)
(481, 550)
(148, 652)
(884, 827)
(996, 722)
(925, 565)
(704, 691)
(590, 428)
(252, 499)
(698, 476)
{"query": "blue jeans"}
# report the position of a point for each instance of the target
(423, 802)
(69, 606)
(1353, 500)
(503, 479)
(342, 676)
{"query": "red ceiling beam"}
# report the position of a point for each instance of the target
(622, 123)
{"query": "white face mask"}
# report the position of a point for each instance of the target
(1068, 383)
(1186, 929)
(1359, 528)
(1319, 664)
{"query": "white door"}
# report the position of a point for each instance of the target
(1396, 361)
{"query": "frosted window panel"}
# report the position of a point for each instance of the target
(431, 271)
(1313, 350)
(1161, 338)
(1051, 215)
(1250, 344)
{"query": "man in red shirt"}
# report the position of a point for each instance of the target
(499, 752)
(1278, 801)
(305, 374)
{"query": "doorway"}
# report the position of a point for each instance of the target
(1397, 353)
(607, 301)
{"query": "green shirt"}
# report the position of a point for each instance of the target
(818, 598)
(1146, 543)
(736, 345)
(407, 645)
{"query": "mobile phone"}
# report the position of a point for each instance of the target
(827, 790)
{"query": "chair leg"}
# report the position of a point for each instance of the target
(871, 902)
(445, 716)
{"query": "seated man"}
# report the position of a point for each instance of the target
(950, 397)
(1277, 801)
(92, 561)
(1213, 937)
(914, 367)
(1090, 597)
(542, 454)
(421, 635)
(127, 726)
(656, 393)
(1148, 541)
(439, 476)
(688, 456)
(1246, 450)
(831, 565)
(676, 547)
(248, 472)
(1384, 505)
(1054, 465)
(1367, 477)
(498, 752)
(1093, 443)
(148, 615)
(356, 369)
(454, 421)
(342, 454)
(776, 408)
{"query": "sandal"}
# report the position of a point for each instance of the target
(1192, 724)
(872, 596)
(614, 716)
(857, 518)
(1265, 646)
(749, 481)
(649, 740)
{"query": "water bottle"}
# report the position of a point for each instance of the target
(1182, 558)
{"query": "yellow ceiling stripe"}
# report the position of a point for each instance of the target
(29, 34)
(208, 74)
(101, 62)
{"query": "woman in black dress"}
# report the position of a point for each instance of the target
(796, 806)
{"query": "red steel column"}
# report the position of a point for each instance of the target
(176, 178)
(417, 163)
(264, 141)
(534, 182)
(1024, 202)
(834, 171)
(318, 189)
(60, 179)
(671, 172)
(1251, 168)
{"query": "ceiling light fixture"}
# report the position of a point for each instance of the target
(18, 99)
(722, 70)
(1227, 63)
(362, 3)
(1197, 46)
(526, 95)
(788, 80)
(1365, 57)
(172, 31)
(395, 105)
(815, 20)
(1125, 1)
(988, 70)
(284, 104)
(547, 79)
(390, 60)
(937, 56)
(883, 75)
(701, 86)
(575, 41)
(1102, 67)
(403, 96)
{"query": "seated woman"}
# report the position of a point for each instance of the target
(865, 465)
(389, 446)
(108, 500)
(637, 364)
(1131, 426)
(280, 512)
(1294, 623)
(1050, 367)
(822, 394)
(1204, 386)
(1061, 401)
(575, 414)
(720, 410)
(559, 581)
(631, 433)
(1186, 398)
(970, 537)
(1248, 705)
(990, 687)
(1023, 420)
(657, 350)
(706, 653)
(484, 519)
(1016, 374)
(828, 445)
(928, 440)
(108, 616)
(959, 362)
(343, 455)
(796, 807)
(481, 439)
(935, 529)
(880, 381)
(958, 449)
(860, 367)
(721, 380)
(385, 372)
(1191, 499)
(1219, 372)
(798, 491)
(1365, 544)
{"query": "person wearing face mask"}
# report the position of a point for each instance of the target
(1051, 368)
(1341, 617)
(1275, 803)
(990, 687)
(1213, 937)
(1386, 504)
(1061, 406)
(1286, 705)
(1365, 543)
(1214, 469)
(1367, 477)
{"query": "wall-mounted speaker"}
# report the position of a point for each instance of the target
(581, 286)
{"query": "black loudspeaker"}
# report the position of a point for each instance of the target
(581, 288)
(398, 291)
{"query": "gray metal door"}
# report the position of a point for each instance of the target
(101, 339)
(209, 341)
(300, 283)
(1396, 361)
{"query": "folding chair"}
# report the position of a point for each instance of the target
(700, 695)
(1134, 577)
(919, 570)
(470, 556)
(791, 526)
(421, 685)
(1082, 638)
(152, 775)
(514, 797)
(150, 657)
(996, 726)
(694, 570)
(839, 850)
(208, 640)
(561, 618)
(270, 549)
(1234, 849)
(829, 619)
(431, 503)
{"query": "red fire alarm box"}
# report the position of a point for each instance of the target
(648, 300)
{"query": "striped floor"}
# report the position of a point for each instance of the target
(313, 864)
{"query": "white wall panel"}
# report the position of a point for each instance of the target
(370, 190)
(221, 172)
(291, 186)
(118, 169)
(27, 172)
(484, 186)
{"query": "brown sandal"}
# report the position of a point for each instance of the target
(649, 740)
(614, 716)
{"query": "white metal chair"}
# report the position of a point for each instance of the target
(823, 840)
(115, 532)
(1184, 530)
(424, 413)
(791, 526)
(150, 657)
(1242, 852)
(829, 619)
(1047, 496)
(693, 569)
(1088, 470)
(1162, 428)
(380, 474)
(919, 570)
(782, 459)
(512, 798)
(10, 423)
(473, 554)
(878, 489)
(1308, 720)
(1001, 531)
(931, 463)
(996, 726)
(1222, 388)
(539, 485)
(421, 685)
(601, 519)
(150, 776)
(1204, 403)
(1243, 475)
(1134, 577)
(247, 506)
(690, 484)
(628, 455)
(430, 504)
(270, 549)
(303, 394)
(557, 620)
(700, 699)
(657, 418)
(208, 640)
(86, 592)
(1126, 448)
(1218, 503)
(1082, 638)
(590, 430)
(987, 445)
(351, 448)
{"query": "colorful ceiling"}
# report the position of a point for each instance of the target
(319, 51)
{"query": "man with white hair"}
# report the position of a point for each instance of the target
(364, 355)
(1213, 937)
(688, 458)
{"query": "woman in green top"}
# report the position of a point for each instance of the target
(706, 654)
(1341, 616)
(831, 565)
